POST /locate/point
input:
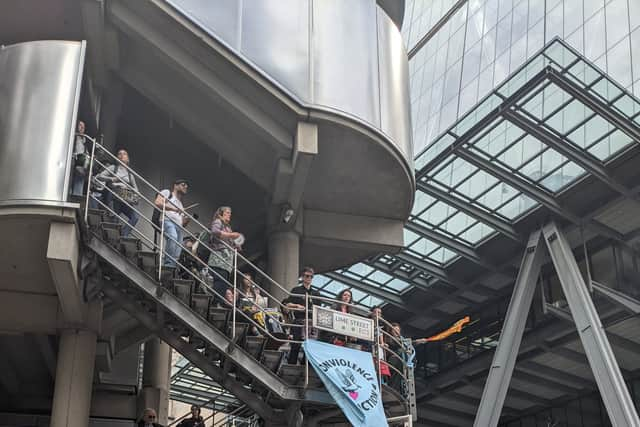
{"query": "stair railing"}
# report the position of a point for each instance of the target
(203, 264)
(95, 161)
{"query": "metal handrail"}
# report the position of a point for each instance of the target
(204, 264)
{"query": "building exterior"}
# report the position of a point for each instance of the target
(476, 157)
(252, 106)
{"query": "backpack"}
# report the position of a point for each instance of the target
(202, 251)
(155, 218)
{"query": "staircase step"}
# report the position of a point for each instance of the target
(218, 317)
(241, 331)
(272, 359)
(130, 246)
(95, 217)
(212, 353)
(200, 304)
(292, 374)
(111, 232)
(254, 345)
(183, 290)
(149, 262)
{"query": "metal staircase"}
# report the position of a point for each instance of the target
(180, 309)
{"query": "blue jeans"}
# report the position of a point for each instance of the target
(172, 242)
(131, 216)
(77, 183)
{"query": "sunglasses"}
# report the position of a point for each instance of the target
(307, 275)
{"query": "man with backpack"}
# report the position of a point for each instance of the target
(123, 190)
(174, 220)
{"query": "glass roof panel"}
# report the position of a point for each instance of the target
(485, 134)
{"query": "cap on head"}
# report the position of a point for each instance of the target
(180, 181)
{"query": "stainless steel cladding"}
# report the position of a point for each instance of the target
(343, 56)
(39, 94)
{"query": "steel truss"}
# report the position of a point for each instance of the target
(597, 348)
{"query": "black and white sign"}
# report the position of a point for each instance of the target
(343, 323)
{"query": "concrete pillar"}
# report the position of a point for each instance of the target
(74, 378)
(156, 378)
(284, 260)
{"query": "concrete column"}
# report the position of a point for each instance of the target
(284, 260)
(74, 379)
(156, 378)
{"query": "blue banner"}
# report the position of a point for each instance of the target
(350, 378)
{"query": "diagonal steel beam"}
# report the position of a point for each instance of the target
(597, 348)
(376, 292)
(504, 359)
(583, 158)
(473, 211)
(494, 114)
(450, 243)
(600, 107)
(434, 270)
(538, 194)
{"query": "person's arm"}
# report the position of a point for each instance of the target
(106, 174)
(163, 199)
(289, 302)
(133, 183)
(217, 231)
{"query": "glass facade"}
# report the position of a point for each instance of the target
(469, 66)
(486, 40)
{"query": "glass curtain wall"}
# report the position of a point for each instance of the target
(486, 40)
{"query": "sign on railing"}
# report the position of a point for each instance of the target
(343, 323)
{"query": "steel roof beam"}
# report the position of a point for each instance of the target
(484, 122)
(371, 290)
(580, 157)
(450, 243)
(430, 268)
(600, 107)
(541, 196)
(473, 211)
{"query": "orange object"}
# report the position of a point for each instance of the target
(454, 329)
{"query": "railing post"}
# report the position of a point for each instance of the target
(86, 205)
(377, 350)
(306, 337)
(235, 276)
(164, 205)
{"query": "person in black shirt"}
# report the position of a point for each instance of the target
(296, 302)
(195, 420)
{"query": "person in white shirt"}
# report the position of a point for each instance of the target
(174, 220)
(123, 184)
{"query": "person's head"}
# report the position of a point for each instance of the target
(180, 187)
(123, 156)
(149, 416)
(188, 242)
(376, 311)
(195, 411)
(395, 329)
(224, 214)
(247, 279)
(228, 296)
(346, 296)
(307, 276)
(80, 127)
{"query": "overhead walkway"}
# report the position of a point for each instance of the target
(177, 305)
